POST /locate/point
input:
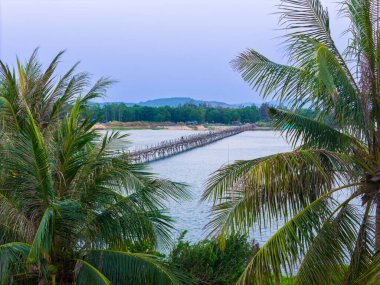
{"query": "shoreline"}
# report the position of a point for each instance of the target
(167, 126)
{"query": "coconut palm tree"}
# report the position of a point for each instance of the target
(327, 190)
(71, 209)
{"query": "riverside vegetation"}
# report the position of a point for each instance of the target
(188, 112)
(120, 112)
(208, 263)
(328, 189)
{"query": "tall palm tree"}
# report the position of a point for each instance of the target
(70, 208)
(327, 190)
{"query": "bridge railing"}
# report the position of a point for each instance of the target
(175, 146)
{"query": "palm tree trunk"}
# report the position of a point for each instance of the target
(377, 233)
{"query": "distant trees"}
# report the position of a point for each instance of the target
(188, 112)
(263, 112)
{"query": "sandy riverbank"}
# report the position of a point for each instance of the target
(163, 126)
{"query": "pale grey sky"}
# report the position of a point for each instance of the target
(153, 48)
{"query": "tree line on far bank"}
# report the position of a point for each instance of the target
(183, 113)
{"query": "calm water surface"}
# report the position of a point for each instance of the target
(195, 166)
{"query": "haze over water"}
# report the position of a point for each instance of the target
(195, 166)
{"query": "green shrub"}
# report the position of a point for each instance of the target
(207, 263)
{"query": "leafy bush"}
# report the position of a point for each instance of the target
(207, 263)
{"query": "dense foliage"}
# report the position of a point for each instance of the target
(210, 264)
(123, 113)
(70, 209)
(327, 190)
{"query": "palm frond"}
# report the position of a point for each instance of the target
(98, 90)
(13, 216)
(88, 274)
(275, 186)
(70, 215)
(326, 258)
(10, 85)
(312, 133)
(285, 249)
(371, 275)
(12, 256)
(123, 222)
(64, 94)
(43, 239)
(335, 91)
(342, 94)
(287, 84)
(363, 252)
(308, 18)
(362, 26)
(40, 161)
(8, 115)
(134, 268)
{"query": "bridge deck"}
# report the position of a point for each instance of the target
(172, 147)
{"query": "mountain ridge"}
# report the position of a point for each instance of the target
(177, 101)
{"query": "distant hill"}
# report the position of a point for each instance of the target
(177, 101)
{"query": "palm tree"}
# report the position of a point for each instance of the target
(327, 190)
(72, 210)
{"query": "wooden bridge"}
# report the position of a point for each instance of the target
(172, 147)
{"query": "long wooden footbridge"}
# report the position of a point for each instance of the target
(172, 147)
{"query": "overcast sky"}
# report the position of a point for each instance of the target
(153, 48)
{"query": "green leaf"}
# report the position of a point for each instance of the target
(362, 255)
(43, 240)
(12, 256)
(325, 260)
(284, 249)
(283, 252)
(306, 17)
(249, 192)
(309, 132)
(288, 84)
(88, 274)
(133, 268)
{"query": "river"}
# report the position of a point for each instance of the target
(195, 166)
